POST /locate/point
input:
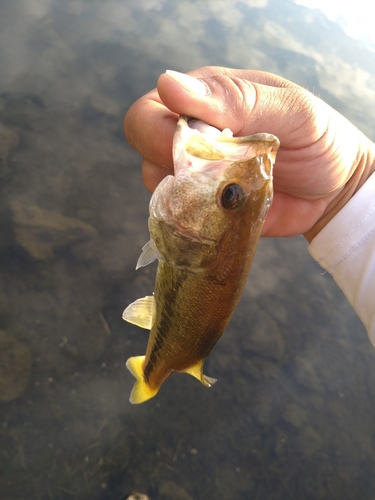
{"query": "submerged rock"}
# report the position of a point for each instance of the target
(40, 231)
(15, 367)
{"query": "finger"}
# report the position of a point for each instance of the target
(246, 74)
(245, 106)
(153, 174)
(149, 127)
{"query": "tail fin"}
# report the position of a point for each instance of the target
(141, 390)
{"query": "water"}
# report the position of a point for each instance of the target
(292, 413)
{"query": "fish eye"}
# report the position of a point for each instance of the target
(232, 197)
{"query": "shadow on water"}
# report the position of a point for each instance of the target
(291, 415)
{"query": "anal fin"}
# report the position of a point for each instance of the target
(197, 372)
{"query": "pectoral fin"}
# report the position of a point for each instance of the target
(141, 312)
(141, 391)
(148, 255)
(197, 372)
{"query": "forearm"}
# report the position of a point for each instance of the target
(345, 247)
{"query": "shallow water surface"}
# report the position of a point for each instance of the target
(292, 413)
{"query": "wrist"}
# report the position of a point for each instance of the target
(365, 168)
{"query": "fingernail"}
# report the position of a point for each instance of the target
(189, 83)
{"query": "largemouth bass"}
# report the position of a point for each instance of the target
(205, 222)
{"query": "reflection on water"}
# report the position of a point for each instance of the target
(291, 415)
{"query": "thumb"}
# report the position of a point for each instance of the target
(247, 102)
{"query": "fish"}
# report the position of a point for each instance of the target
(205, 222)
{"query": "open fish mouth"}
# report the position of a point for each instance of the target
(212, 148)
(225, 135)
(209, 130)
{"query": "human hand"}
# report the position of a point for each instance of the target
(323, 159)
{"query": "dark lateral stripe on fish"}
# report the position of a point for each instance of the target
(164, 326)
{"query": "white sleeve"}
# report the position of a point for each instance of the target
(345, 248)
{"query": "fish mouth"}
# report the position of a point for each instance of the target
(203, 141)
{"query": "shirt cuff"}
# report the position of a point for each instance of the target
(345, 248)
